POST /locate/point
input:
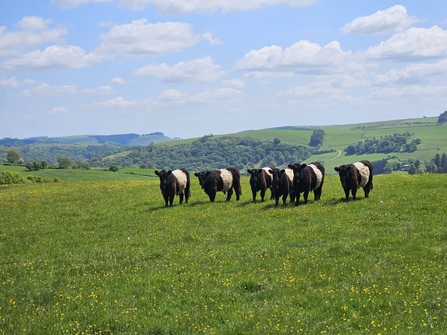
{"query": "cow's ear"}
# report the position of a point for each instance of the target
(349, 167)
(169, 172)
(196, 174)
(282, 171)
(290, 166)
(249, 170)
(156, 172)
(259, 170)
(303, 166)
(336, 169)
(270, 171)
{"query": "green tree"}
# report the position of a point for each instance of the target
(113, 168)
(64, 162)
(443, 117)
(317, 137)
(13, 156)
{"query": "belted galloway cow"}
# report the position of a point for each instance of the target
(282, 185)
(306, 178)
(260, 181)
(354, 176)
(173, 183)
(226, 180)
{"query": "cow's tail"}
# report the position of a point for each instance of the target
(236, 179)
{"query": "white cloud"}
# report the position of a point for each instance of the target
(413, 74)
(173, 95)
(237, 83)
(118, 80)
(59, 110)
(34, 23)
(392, 20)
(48, 90)
(74, 3)
(410, 92)
(198, 70)
(102, 90)
(34, 33)
(118, 102)
(302, 57)
(13, 82)
(53, 57)
(143, 38)
(414, 43)
(219, 94)
(209, 6)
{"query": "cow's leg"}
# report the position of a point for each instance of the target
(166, 200)
(292, 197)
(347, 194)
(212, 195)
(229, 194)
(187, 194)
(253, 191)
(354, 193)
(262, 195)
(305, 196)
(284, 198)
(366, 189)
(181, 197)
(297, 198)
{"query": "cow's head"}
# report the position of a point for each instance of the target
(201, 176)
(163, 176)
(343, 172)
(276, 173)
(254, 176)
(297, 171)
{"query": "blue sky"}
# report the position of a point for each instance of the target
(189, 68)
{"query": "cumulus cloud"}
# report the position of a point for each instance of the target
(412, 44)
(13, 82)
(34, 32)
(143, 38)
(302, 57)
(198, 70)
(118, 80)
(237, 83)
(59, 110)
(392, 20)
(175, 96)
(102, 90)
(412, 74)
(48, 90)
(74, 3)
(53, 57)
(118, 102)
(208, 6)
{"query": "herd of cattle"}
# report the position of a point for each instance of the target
(289, 182)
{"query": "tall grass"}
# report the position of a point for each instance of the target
(107, 257)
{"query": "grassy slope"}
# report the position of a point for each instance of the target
(107, 257)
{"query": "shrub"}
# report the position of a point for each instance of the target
(113, 168)
(8, 177)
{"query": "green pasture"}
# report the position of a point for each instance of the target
(126, 174)
(106, 257)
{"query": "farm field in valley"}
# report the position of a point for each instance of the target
(106, 257)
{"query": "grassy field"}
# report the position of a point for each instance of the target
(106, 257)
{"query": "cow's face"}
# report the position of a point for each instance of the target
(297, 171)
(163, 176)
(343, 172)
(254, 176)
(201, 176)
(276, 181)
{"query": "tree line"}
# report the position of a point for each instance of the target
(384, 144)
(210, 152)
(412, 165)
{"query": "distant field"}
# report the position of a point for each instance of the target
(106, 257)
(85, 175)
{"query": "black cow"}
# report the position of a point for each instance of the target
(282, 185)
(307, 178)
(353, 176)
(174, 183)
(260, 180)
(224, 180)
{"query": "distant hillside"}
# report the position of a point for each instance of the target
(125, 139)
